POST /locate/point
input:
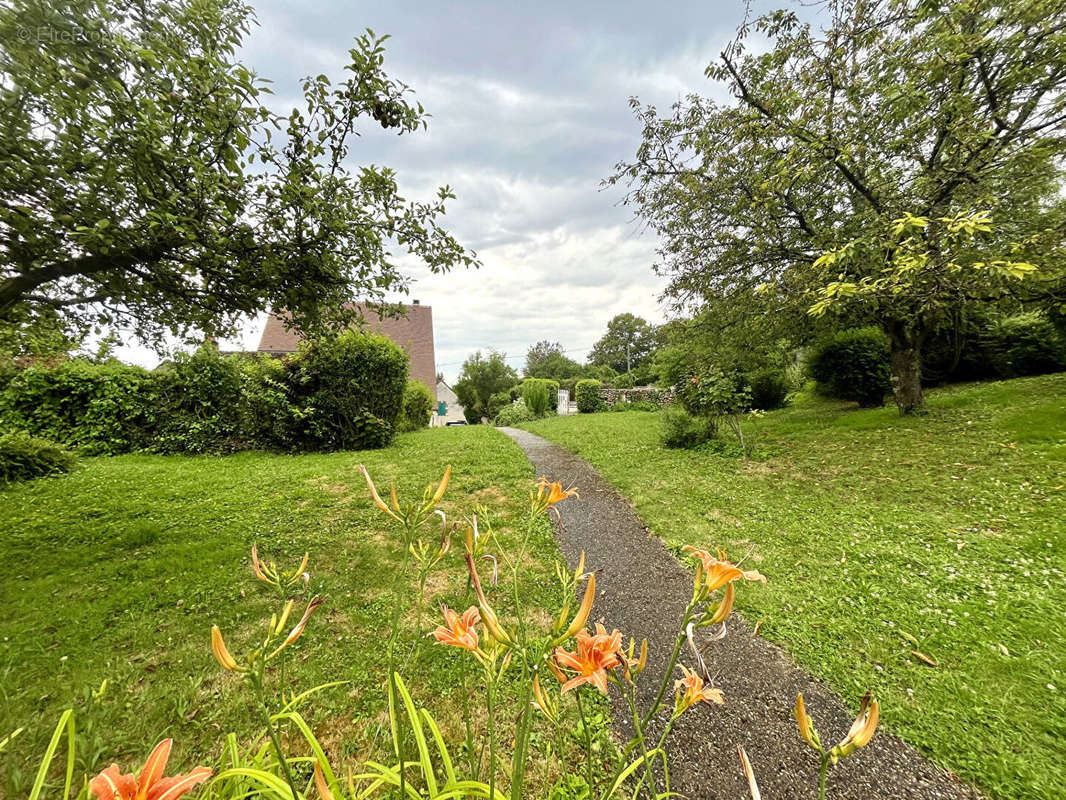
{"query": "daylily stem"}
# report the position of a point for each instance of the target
(490, 692)
(260, 695)
(639, 735)
(824, 774)
(588, 740)
(670, 667)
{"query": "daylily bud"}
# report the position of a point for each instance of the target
(300, 570)
(558, 673)
(294, 634)
(541, 701)
(642, 661)
(806, 725)
(580, 567)
(488, 616)
(749, 773)
(222, 654)
(257, 567)
(321, 785)
(375, 496)
(394, 499)
(442, 486)
(279, 625)
(583, 611)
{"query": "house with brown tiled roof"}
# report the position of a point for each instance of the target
(413, 332)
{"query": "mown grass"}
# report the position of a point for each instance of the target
(117, 571)
(884, 537)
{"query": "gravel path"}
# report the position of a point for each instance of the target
(643, 592)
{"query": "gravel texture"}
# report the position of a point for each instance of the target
(643, 591)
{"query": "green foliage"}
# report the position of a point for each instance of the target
(637, 405)
(347, 391)
(515, 413)
(627, 344)
(23, 457)
(1025, 344)
(769, 388)
(498, 402)
(96, 408)
(141, 171)
(853, 365)
(417, 407)
(680, 429)
(587, 396)
(479, 380)
(535, 396)
(200, 396)
(712, 393)
(905, 141)
(624, 381)
(548, 360)
(551, 392)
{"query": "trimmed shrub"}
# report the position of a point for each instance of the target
(588, 396)
(266, 405)
(347, 391)
(535, 396)
(769, 388)
(97, 409)
(1025, 344)
(498, 402)
(853, 365)
(417, 407)
(551, 388)
(472, 415)
(680, 429)
(23, 457)
(516, 412)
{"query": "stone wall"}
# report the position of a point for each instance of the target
(639, 394)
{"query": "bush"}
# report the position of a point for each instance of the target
(516, 412)
(472, 415)
(200, 398)
(535, 396)
(624, 381)
(98, 409)
(588, 396)
(853, 365)
(499, 401)
(769, 388)
(23, 457)
(551, 389)
(1025, 344)
(680, 429)
(417, 407)
(347, 392)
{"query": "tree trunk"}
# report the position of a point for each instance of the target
(905, 344)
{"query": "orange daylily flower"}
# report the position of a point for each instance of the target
(695, 691)
(548, 494)
(720, 571)
(596, 653)
(150, 784)
(459, 631)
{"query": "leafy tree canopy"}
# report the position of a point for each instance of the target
(897, 165)
(480, 379)
(627, 344)
(548, 360)
(146, 183)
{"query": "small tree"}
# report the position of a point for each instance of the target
(479, 380)
(627, 344)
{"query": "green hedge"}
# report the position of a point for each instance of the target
(551, 387)
(23, 457)
(1025, 344)
(417, 407)
(345, 393)
(514, 413)
(587, 395)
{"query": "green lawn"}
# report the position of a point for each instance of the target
(118, 570)
(882, 536)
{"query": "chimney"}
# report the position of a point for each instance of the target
(414, 302)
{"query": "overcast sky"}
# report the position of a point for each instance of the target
(529, 105)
